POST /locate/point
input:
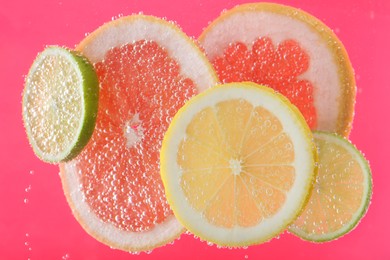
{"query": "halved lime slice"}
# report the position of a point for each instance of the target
(60, 102)
(341, 193)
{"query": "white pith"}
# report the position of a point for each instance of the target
(136, 28)
(133, 131)
(303, 163)
(235, 166)
(323, 69)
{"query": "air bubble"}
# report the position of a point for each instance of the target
(28, 189)
(28, 246)
(269, 192)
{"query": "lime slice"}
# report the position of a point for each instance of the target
(237, 163)
(60, 102)
(341, 193)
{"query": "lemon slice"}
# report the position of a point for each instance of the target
(237, 163)
(60, 101)
(341, 194)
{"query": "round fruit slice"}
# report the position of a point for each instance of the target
(147, 68)
(60, 103)
(290, 51)
(341, 194)
(237, 163)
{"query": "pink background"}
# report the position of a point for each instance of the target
(35, 220)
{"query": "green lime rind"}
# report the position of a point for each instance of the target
(91, 101)
(58, 80)
(366, 198)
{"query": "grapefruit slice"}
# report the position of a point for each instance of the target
(237, 163)
(341, 194)
(147, 68)
(291, 51)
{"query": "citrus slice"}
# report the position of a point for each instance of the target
(341, 194)
(147, 68)
(60, 103)
(290, 51)
(237, 163)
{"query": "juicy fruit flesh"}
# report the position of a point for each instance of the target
(236, 164)
(141, 90)
(53, 100)
(337, 192)
(279, 67)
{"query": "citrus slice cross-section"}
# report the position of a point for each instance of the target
(290, 51)
(60, 103)
(237, 163)
(147, 68)
(341, 193)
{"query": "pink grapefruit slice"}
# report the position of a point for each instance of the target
(147, 69)
(291, 51)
